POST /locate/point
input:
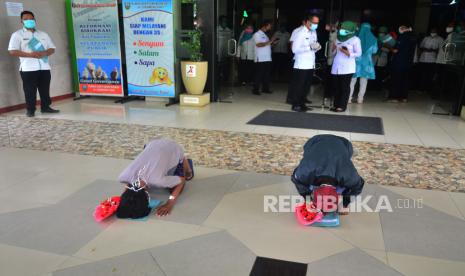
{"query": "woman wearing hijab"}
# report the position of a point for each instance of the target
(365, 69)
(246, 55)
(347, 48)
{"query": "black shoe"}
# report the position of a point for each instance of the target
(49, 110)
(30, 114)
(299, 109)
(256, 93)
(267, 92)
(308, 101)
(307, 108)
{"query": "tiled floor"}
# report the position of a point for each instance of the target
(219, 226)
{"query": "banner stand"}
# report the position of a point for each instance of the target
(93, 27)
(126, 99)
(172, 101)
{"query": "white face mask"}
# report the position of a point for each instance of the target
(449, 29)
(434, 34)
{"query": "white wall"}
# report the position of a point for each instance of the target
(51, 18)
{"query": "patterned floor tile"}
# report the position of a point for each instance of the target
(208, 255)
(138, 263)
(127, 236)
(19, 261)
(415, 265)
(353, 262)
(242, 214)
(273, 267)
(62, 228)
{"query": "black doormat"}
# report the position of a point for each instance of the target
(345, 123)
(273, 267)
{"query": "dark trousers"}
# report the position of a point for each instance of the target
(427, 73)
(246, 70)
(380, 72)
(262, 76)
(280, 66)
(341, 86)
(399, 85)
(33, 81)
(300, 86)
(328, 83)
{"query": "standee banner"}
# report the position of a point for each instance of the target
(148, 35)
(97, 47)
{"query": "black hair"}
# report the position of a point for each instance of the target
(265, 22)
(133, 204)
(310, 17)
(27, 12)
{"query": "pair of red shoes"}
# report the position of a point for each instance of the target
(106, 208)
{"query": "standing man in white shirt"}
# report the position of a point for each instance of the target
(263, 58)
(291, 39)
(304, 47)
(33, 47)
(280, 53)
(429, 48)
(295, 31)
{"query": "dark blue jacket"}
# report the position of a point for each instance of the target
(327, 160)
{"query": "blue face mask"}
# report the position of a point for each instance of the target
(29, 24)
(313, 27)
(344, 32)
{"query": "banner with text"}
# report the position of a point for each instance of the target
(148, 31)
(97, 43)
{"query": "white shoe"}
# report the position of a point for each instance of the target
(350, 101)
(360, 101)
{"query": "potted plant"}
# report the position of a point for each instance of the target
(194, 71)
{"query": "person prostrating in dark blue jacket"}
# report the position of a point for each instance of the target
(327, 160)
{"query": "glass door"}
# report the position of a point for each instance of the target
(226, 50)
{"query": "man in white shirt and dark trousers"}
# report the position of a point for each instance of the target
(304, 46)
(33, 47)
(429, 48)
(291, 39)
(263, 58)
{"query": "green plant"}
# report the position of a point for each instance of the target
(193, 45)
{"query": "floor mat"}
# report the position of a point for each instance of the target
(345, 123)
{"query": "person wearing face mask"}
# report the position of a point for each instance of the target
(348, 48)
(304, 47)
(263, 58)
(365, 68)
(280, 52)
(246, 55)
(33, 47)
(402, 60)
(429, 48)
(385, 44)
